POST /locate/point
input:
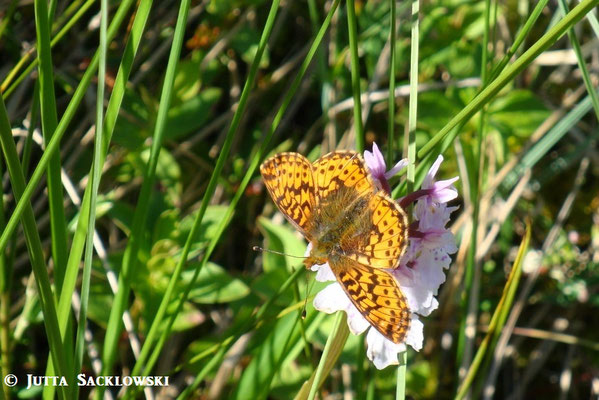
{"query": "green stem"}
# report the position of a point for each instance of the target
(130, 258)
(410, 138)
(392, 67)
(400, 388)
(355, 74)
(320, 370)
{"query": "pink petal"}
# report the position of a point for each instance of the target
(401, 164)
(428, 179)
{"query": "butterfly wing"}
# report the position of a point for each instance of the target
(376, 294)
(341, 170)
(290, 182)
(385, 235)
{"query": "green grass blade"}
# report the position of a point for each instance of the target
(392, 71)
(139, 218)
(355, 74)
(49, 120)
(330, 354)
(581, 64)
(94, 183)
(470, 293)
(499, 317)
(520, 37)
(34, 246)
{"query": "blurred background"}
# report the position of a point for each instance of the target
(528, 155)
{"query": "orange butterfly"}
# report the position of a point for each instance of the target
(360, 231)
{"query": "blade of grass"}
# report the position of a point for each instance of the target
(510, 72)
(520, 37)
(330, 354)
(499, 316)
(34, 247)
(410, 153)
(355, 74)
(470, 293)
(54, 143)
(6, 272)
(392, 68)
(94, 183)
(581, 64)
(400, 385)
(139, 218)
(49, 118)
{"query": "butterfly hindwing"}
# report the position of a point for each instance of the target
(376, 294)
(290, 182)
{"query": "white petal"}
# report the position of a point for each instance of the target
(331, 299)
(415, 335)
(323, 272)
(381, 351)
(308, 249)
(355, 320)
(420, 299)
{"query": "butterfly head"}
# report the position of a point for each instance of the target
(317, 256)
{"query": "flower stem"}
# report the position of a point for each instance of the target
(320, 370)
(400, 389)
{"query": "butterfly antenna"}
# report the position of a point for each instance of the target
(308, 289)
(258, 248)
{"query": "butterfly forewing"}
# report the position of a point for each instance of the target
(290, 182)
(341, 168)
(377, 296)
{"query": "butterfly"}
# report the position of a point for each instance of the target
(359, 230)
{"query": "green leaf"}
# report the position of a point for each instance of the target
(257, 377)
(215, 285)
(283, 239)
(187, 81)
(191, 114)
(519, 112)
(245, 42)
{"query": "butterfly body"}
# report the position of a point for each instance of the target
(359, 231)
